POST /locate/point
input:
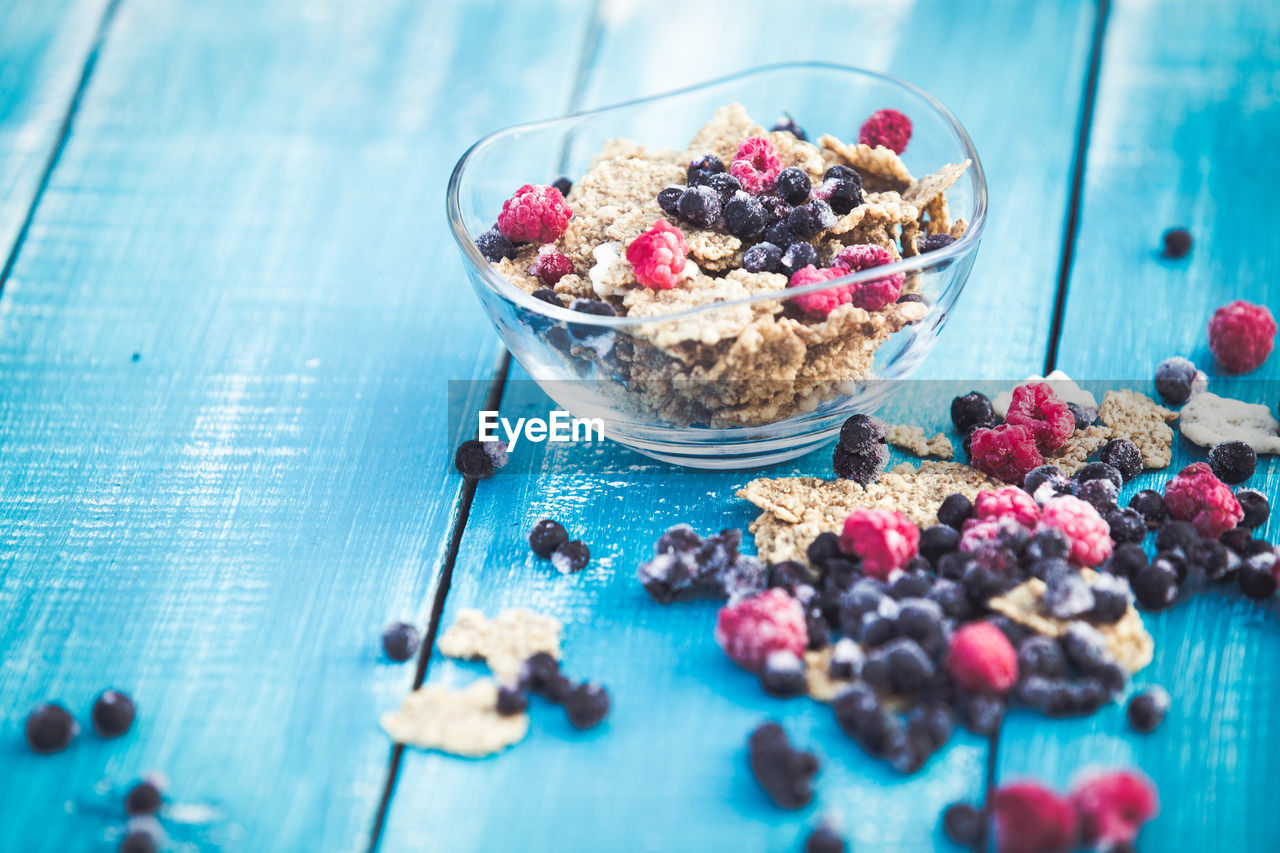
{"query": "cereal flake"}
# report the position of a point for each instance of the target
(505, 642)
(462, 721)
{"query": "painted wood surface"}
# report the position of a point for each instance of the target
(225, 348)
(668, 771)
(1184, 134)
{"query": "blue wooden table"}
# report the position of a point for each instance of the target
(230, 311)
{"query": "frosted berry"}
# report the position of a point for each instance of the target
(804, 221)
(955, 510)
(1009, 502)
(546, 536)
(563, 184)
(1256, 507)
(887, 127)
(113, 713)
(972, 410)
(1101, 494)
(1123, 455)
(862, 468)
(587, 705)
(762, 257)
(1030, 818)
(143, 799)
(478, 460)
(1148, 708)
(1046, 481)
(1257, 575)
(700, 206)
(877, 293)
(785, 773)
(1197, 496)
(400, 641)
(884, 539)
(1177, 379)
(965, 825)
(1038, 410)
(138, 841)
(982, 659)
(547, 295)
(511, 701)
(788, 124)
(783, 674)
(1242, 335)
(1155, 585)
(860, 433)
(50, 728)
(535, 214)
(1113, 807)
(934, 242)
(571, 556)
(1007, 452)
(1177, 243)
(551, 266)
(841, 187)
(822, 302)
(725, 186)
(797, 256)
(824, 838)
(658, 256)
(1088, 531)
(792, 185)
(494, 246)
(744, 217)
(1150, 505)
(759, 625)
(1233, 462)
(756, 165)
(706, 165)
(669, 199)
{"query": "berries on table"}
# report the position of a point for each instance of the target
(1256, 508)
(756, 164)
(965, 825)
(725, 186)
(1150, 505)
(1197, 496)
(1038, 410)
(1177, 379)
(1123, 455)
(138, 841)
(1233, 462)
(1084, 527)
(1126, 525)
(972, 410)
(550, 266)
(1066, 595)
(569, 557)
(145, 798)
(1155, 585)
(1009, 502)
(862, 468)
(792, 185)
(511, 701)
(534, 214)
(494, 246)
(760, 624)
(659, 255)
(479, 460)
(541, 674)
(1007, 452)
(784, 772)
(874, 294)
(400, 641)
(50, 728)
(586, 705)
(1084, 415)
(1030, 818)
(744, 216)
(783, 674)
(822, 302)
(955, 510)
(1257, 576)
(113, 713)
(1177, 243)
(545, 536)
(796, 257)
(934, 242)
(547, 295)
(824, 839)
(982, 660)
(1148, 708)
(886, 127)
(1242, 335)
(762, 257)
(884, 539)
(1100, 494)
(1112, 807)
(862, 433)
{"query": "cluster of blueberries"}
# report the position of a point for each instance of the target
(586, 704)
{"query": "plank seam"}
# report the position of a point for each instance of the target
(60, 144)
(1077, 184)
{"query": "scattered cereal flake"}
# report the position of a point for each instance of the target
(797, 509)
(714, 251)
(721, 136)
(1208, 419)
(1127, 639)
(817, 673)
(617, 199)
(1136, 417)
(877, 209)
(879, 167)
(700, 290)
(1071, 457)
(504, 642)
(1064, 388)
(922, 192)
(462, 721)
(911, 437)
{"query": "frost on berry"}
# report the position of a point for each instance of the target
(1242, 335)
(550, 266)
(1114, 806)
(1197, 496)
(877, 293)
(756, 164)
(1030, 818)
(1038, 410)
(821, 302)
(755, 627)
(1088, 532)
(1009, 502)
(658, 255)
(982, 660)
(534, 214)
(1007, 452)
(889, 128)
(885, 540)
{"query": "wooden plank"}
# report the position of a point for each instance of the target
(1181, 136)
(668, 770)
(43, 50)
(225, 349)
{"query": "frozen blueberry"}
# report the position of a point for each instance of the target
(913, 582)
(1084, 415)
(1155, 585)
(1150, 505)
(1238, 539)
(1100, 471)
(965, 825)
(788, 125)
(934, 242)
(113, 713)
(1126, 559)
(479, 460)
(860, 433)
(982, 713)
(1213, 559)
(708, 164)
(145, 798)
(778, 233)
(700, 206)
(762, 257)
(785, 773)
(138, 841)
(1148, 708)
(400, 641)
(938, 540)
(563, 184)
(571, 556)
(972, 410)
(744, 216)
(1257, 509)
(783, 674)
(846, 659)
(1176, 379)
(669, 200)
(955, 510)
(790, 575)
(1177, 243)
(1050, 479)
(1066, 596)
(511, 701)
(1043, 656)
(1047, 544)
(50, 728)
(1127, 524)
(864, 468)
(546, 536)
(793, 185)
(1111, 597)
(1233, 462)
(725, 185)
(1176, 535)
(910, 668)
(1100, 494)
(803, 221)
(587, 704)
(842, 188)
(1256, 576)
(824, 838)
(854, 707)
(1123, 455)
(549, 296)
(494, 246)
(798, 256)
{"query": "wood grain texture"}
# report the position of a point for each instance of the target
(224, 356)
(43, 50)
(1184, 129)
(668, 771)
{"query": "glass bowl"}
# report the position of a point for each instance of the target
(707, 387)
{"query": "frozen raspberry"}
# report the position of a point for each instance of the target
(889, 128)
(1242, 335)
(1007, 452)
(877, 293)
(823, 302)
(756, 165)
(759, 625)
(1032, 819)
(1038, 410)
(885, 540)
(658, 256)
(535, 214)
(551, 266)
(1089, 533)
(982, 660)
(1195, 495)
(1009, 502)
(1114, 806)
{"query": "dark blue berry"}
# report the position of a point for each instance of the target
(965, 825)
(400, 641)
(934, 242)
(823, 839)
(785, 773)
(113, 713)
(783, 674)
(669, 200)
(1047, 544)
(1213, 559)
(1126, 525)
(762, 257)
(1111, 596)
(792, 185)
(1101, 494)
(1100, 471)
(594, 307)
(847, 659)
(779, 234)
(744, 217)
(699, 206)
(1175, 380)
(863, 468)
(50, 728)
(547, 295)
(587, 705)
(1084, 415)
(545, 536)
(1155, 585)
(1150, 505)
(1238, 539)
(511, 701)
(798, 256)
(803, 222)
(955, 510)
(1257, 509)
(563, 184)
(1123, 455)
(790, 575)
(950, 596)
(843, 193)
(911, 584)
(1256, 576)
(938, 540)
(860, 433)
(571, 556)
(1177, 243)
(494, 246)
(1043, 656)
(479, 460)
(138, 841)
(788, 124)
(1233, 462)
(709, 164)
(143, 799)
(854, 707)
(982, 713)
(1066, 595)
(972, 410)
(1126, 559)
(1148, 708)
(1176, 535)
(725, 185)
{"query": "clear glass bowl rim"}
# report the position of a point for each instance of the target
(509, 292)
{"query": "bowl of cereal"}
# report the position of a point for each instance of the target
(711, 292)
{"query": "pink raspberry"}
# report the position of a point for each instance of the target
(982, 660)
(551, 266)
(1030, 818)
(877, 293)
(1242, 335)
(1009, 502)
(1113, 807)
(1038, 410)
(766, 622)
(1088, 532)
(535, 214)
(756, 165)
(884, 539)
(821, 302)
(658, 256)
(1007, 452)
(889, 128)
(1197, 496)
